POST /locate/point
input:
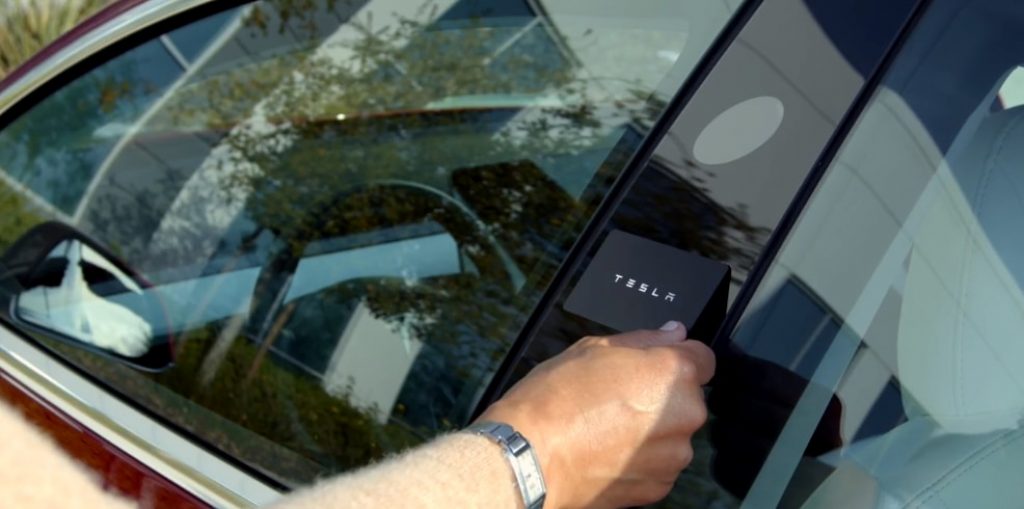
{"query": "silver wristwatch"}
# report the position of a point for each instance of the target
(520, 456)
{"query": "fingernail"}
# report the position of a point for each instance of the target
(670, 325)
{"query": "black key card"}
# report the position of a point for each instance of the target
(636, 283)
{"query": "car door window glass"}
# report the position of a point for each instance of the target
(55, 160)
(335, 215)
(877, 364)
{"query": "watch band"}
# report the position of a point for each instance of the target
(520, 456)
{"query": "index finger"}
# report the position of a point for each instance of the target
(669, 334)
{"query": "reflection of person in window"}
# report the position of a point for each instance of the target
(610, 420)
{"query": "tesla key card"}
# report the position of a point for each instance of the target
(636, 283)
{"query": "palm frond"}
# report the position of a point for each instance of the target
(26, 26)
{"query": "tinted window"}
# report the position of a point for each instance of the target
(878, 363)
(190, 41)
(691, 196)
(334, 216)
(57, 159)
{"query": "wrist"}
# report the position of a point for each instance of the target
(489, 474)
(544, 449)
(519, 456)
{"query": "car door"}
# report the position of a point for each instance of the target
(354, 223)
(256, 244)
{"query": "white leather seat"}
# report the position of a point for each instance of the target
(959, 346)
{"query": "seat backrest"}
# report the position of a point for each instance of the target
(959, 345)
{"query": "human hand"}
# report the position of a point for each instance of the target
(610, 418)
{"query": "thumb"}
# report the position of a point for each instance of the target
(671, 333)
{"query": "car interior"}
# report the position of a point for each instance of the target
(938, 310)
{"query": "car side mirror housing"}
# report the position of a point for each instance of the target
(65, 286)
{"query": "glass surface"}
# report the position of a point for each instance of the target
(346, 210)
(56, 152)
(878, 363)
(727, 212)
(78, 293)
(190, 40)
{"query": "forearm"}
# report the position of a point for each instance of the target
(459, 470)
(35, 473)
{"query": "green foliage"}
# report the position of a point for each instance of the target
(277, 402)
(17, 215)
(27, 26)
(280, 417)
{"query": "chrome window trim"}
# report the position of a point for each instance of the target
(131, 21)
(182, 462)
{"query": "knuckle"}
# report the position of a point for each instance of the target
(692, 411)
(594, 341)
(698, 414)
(667, 362)
(687, 369)
(684, 456)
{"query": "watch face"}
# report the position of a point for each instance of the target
(529, 478)
(533, 481)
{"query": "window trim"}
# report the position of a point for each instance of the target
(108, 35)
(817, 172)
(187, 464)
(770, 485)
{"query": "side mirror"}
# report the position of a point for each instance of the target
(69, 288)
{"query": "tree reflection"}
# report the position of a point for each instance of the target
(351, 133)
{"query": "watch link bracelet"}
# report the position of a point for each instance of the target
(520, 456)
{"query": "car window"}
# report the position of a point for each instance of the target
(878, 362)
(308, 232)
